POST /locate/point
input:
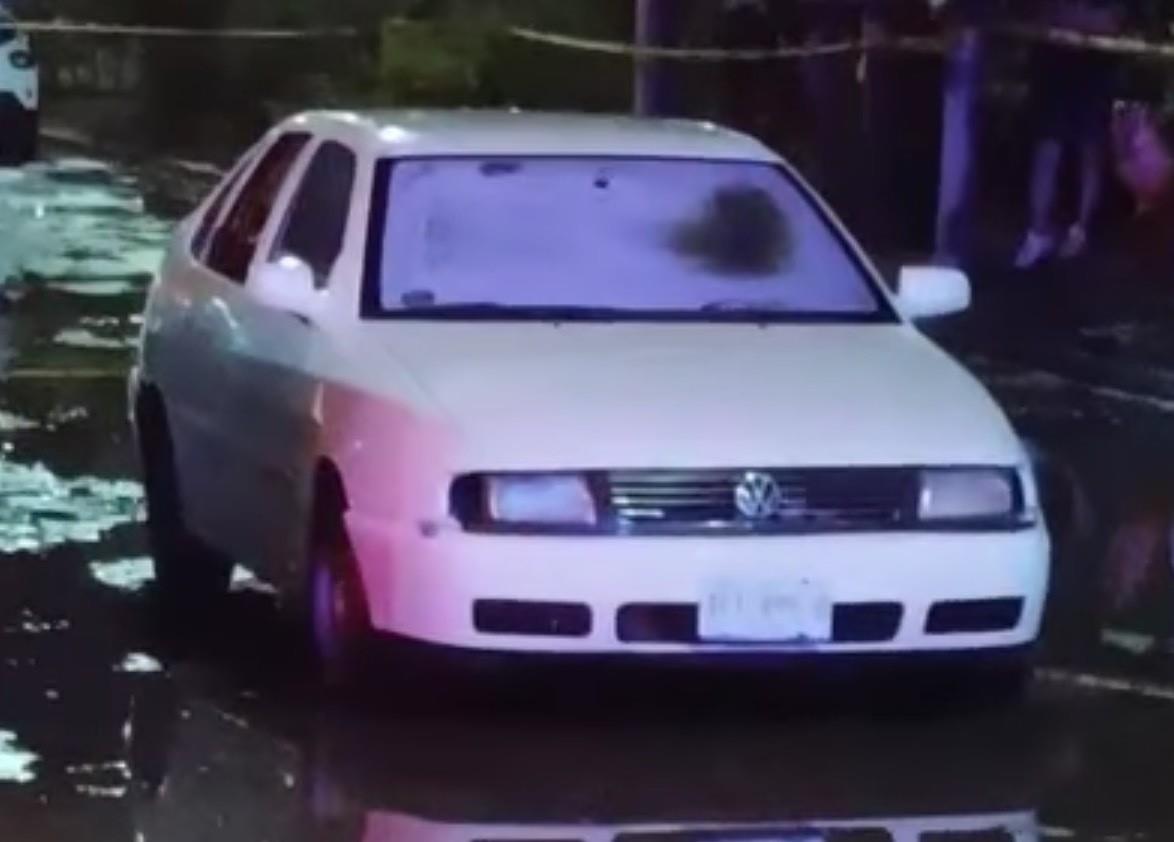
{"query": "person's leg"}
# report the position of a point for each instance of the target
(1092, 179)
(1045, 178)
(1045, 175)
(1092, 182)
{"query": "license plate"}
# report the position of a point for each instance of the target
(766, 612)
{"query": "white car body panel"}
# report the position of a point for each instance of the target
(697, 395)
(257, 397)
(23, 83)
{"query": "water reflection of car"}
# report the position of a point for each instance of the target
(573, 386)
(19, 93)
(666, 777)
(548, 780)
(1009, 827)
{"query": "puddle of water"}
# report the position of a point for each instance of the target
(81, 164)
(40, 510)
(244, 581)
(12, 423)
(131, 575)
(16, 764)
(96, 288)
(80, 337)
(139, 662)
(100, 780)
(1134, 643)
(78, 221)
(30, 623)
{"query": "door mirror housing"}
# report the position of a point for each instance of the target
(925, 292)
(288, 284)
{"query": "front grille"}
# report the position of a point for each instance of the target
(802, 500)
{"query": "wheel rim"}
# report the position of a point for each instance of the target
(334, 615)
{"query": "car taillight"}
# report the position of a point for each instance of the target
(22, 59)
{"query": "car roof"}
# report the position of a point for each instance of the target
(416, 133)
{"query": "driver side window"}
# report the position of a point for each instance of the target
(235, 242)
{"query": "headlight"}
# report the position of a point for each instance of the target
(970, 495)
(540, 500)
(22, 60)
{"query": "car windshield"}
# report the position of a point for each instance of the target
(608, 239)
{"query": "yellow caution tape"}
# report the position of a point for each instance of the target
(1065, 37)
(1099, 43)
(64, 374)
(710, 54)
(618, 48)
(183, 32)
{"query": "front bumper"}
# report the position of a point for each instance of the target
(431, 589)
(22, 100)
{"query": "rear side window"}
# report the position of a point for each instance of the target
(319, 212)
(212, 215)
(235, 241)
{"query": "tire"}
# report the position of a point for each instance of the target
(189, 578)
(28, 136)
(1002, 684)
(338, 623)
(19, 135)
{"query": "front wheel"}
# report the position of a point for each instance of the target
(28, 137)
(189, 578)
(19, 131)
(1002, 683)
(338, 619)
(1009, 684)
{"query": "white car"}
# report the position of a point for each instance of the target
(19, 94)
(573, 386)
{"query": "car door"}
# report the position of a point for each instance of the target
(176, 355)
(273, 380)
(209, 290)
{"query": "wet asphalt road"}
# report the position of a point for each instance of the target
(111, 731)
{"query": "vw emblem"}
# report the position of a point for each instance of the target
(758, 497)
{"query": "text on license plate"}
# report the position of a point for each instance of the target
(773, 611)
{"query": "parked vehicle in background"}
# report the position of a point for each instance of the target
(574, 386)
(19, 94)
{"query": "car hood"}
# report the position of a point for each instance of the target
(531, 397)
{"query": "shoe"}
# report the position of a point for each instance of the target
(1035, 249)
(1075, 242)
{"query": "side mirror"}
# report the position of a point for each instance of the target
(288, 284)
(924, 292)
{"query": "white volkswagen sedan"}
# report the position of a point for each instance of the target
(573, 386)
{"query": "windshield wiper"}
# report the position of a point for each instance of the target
(734, 306)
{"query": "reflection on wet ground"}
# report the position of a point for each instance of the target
(78, 225)
(39, 510)
(110, 730)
